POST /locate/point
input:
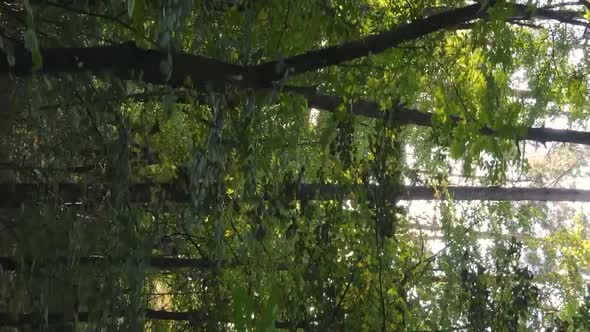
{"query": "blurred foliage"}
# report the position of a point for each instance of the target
(254, 257)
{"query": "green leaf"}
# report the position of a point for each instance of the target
(139, 20)
(329, 133)
(28, 7)
(32, 44)
(130, 7)
(8, 49)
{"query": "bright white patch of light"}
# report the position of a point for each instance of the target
(518, 80)
(313, 116)
(575, 56)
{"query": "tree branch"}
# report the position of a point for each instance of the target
(194, 317)
(410, 116)
(16, 194)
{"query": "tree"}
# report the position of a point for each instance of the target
(143, 136)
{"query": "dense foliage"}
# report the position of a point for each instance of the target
(325, 165)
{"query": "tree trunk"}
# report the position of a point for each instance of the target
(14, 195)
(130, 62)
(405, 115)
(194, 317)
(156, 262)
(159, 262)
(458, 193)
(126, 61)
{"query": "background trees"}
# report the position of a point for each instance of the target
(253, 165)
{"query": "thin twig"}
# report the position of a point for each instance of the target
(86, 13)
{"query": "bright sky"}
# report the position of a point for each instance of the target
(426, 212)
